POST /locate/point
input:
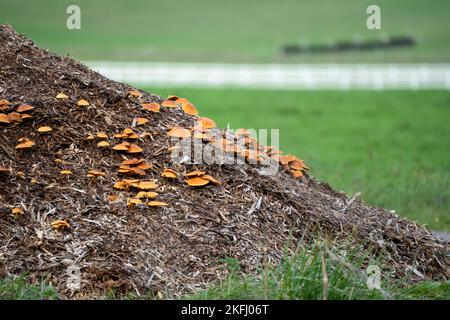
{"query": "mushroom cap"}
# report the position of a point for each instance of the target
(169, 104)
(128, 131)
(141, 121)
(287, 158)
(121, 146)
(25, 143)
(173, 98)
(133, 161)
(297, 173)
(134, 148)
(15, 117)
(17, 211)
(60, 224)
(131, 202)
(296, 165)
(190, 109)
(133, 136)
(144, 166)
(25, 116)
(103, 144)
(102, 135)
(145, 185)
(61, 96)
(146, 194)
(94, 173)
(121, 185)
(197, 182)
(211, 179)
(134, 93)
(207, 123)
(169, 173)
(181, 100)
(44, 129)
(152, 106)
(157, 204)
(82, 103)
(4, 118)
(179, 132)
(24, 108)
(195, 173)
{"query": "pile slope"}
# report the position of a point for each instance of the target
(67, 213)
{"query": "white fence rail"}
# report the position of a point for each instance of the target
(280, 76)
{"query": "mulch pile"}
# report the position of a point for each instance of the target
(55, 219)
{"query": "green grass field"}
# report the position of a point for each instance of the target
(229, 31)
(393, 146)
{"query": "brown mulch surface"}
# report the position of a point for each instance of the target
(174, 249)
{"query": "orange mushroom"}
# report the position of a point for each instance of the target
(190, 109)
(211, 179)
(121, 146)
(194, 173)
(95, 174)
(4, 118)
(169, 104)
(24, 108)
(61, 96)
(134, 148)
(102, 135)
(152, 106)
(82, 103)
(103, 144)
(157, 204)
(296, 165)
(25, 143)
(197, 182)
(145, 185)
(131, 202)
(169, 173)
(206, 123)
(134, 93)
(44, 129)
(297, 173)
(173, 98)
(132, 161)
(141, 121)
(146, 194)
(17, 212)
(179, 132)
(15, 117)
(60, 224)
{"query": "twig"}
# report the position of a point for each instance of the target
(324, 277)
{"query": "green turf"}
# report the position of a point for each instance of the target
(233, 30)
(19, 288)
(302, 277)
(393, 146)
